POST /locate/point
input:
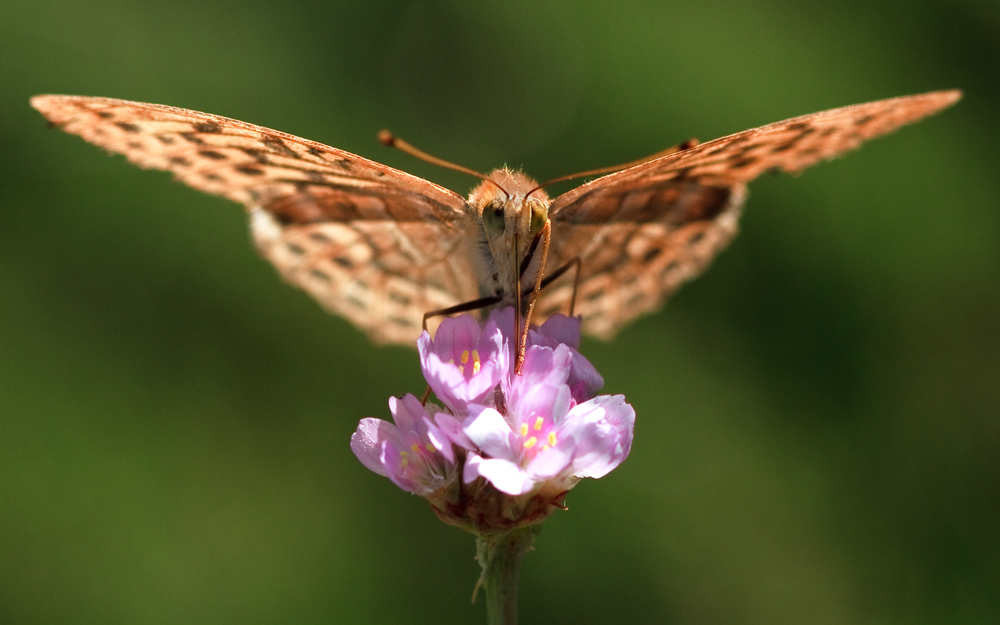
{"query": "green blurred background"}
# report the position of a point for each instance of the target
(818, 436)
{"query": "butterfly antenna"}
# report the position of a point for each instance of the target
(390, 140)
(687, 145)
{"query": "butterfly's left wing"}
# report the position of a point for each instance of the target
(369, 242)
(644, 231)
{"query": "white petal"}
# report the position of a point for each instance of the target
(506, 476)
(490, 432)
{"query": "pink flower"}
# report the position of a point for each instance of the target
(464, 362)
(518, 442)
(557, 330)
(546, 439)
(415, 453)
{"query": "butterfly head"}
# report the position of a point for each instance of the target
(511, 220)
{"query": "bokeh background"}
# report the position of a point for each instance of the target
(818, 436)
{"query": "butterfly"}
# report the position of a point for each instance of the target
(382, 247)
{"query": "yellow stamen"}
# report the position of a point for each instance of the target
(524, 429)
(404, 459)
(461, 369)
(415, 447)
(475, 361)
(539, 422)
(552, 439)
(465, 356)
(431, 447)
(531, 442)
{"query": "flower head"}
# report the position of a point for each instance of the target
(510, 446)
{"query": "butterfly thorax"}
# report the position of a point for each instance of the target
(512, 214)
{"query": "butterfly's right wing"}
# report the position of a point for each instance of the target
(371, 243)
(642, 232)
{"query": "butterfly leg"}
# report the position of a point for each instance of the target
(475, 304)
(546, 236)
(576, 263)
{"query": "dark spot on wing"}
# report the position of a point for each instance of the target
(861, 121)
(343, 261)
(165, 139)
(128, 127)
(356, 302)
(250, 171)
(696, 238)
(319, 237)
(212, 154)
(399, 298)
(298, 250)
(707, 205)
(345, 163)
(277, 145)
(318, 273)
(670, 268)
(743, 162)
(213, 177)
(210, 128)
(651, 254)
(748, 148)
(255, 154)
(315, 176)
(105, 114)
(315, 151)
(595, 295)
(136, 145)
(191, 137)
(406, 323)
(784, 147)
(180, 160)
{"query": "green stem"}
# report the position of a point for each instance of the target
(500, 556)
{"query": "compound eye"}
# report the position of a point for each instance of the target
(493, 218)
(539, 215)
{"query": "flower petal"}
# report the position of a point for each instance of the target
(560, 329)
(506, 476)
(550, 462)
(490, 432)
(366, 442)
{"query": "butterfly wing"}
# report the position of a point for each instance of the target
(644, 231)
(370, 242)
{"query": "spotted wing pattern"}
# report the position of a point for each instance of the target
(370, 242)
(642, 232)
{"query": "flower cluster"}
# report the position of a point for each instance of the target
(505, 448)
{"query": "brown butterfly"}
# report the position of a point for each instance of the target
(382, 247)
